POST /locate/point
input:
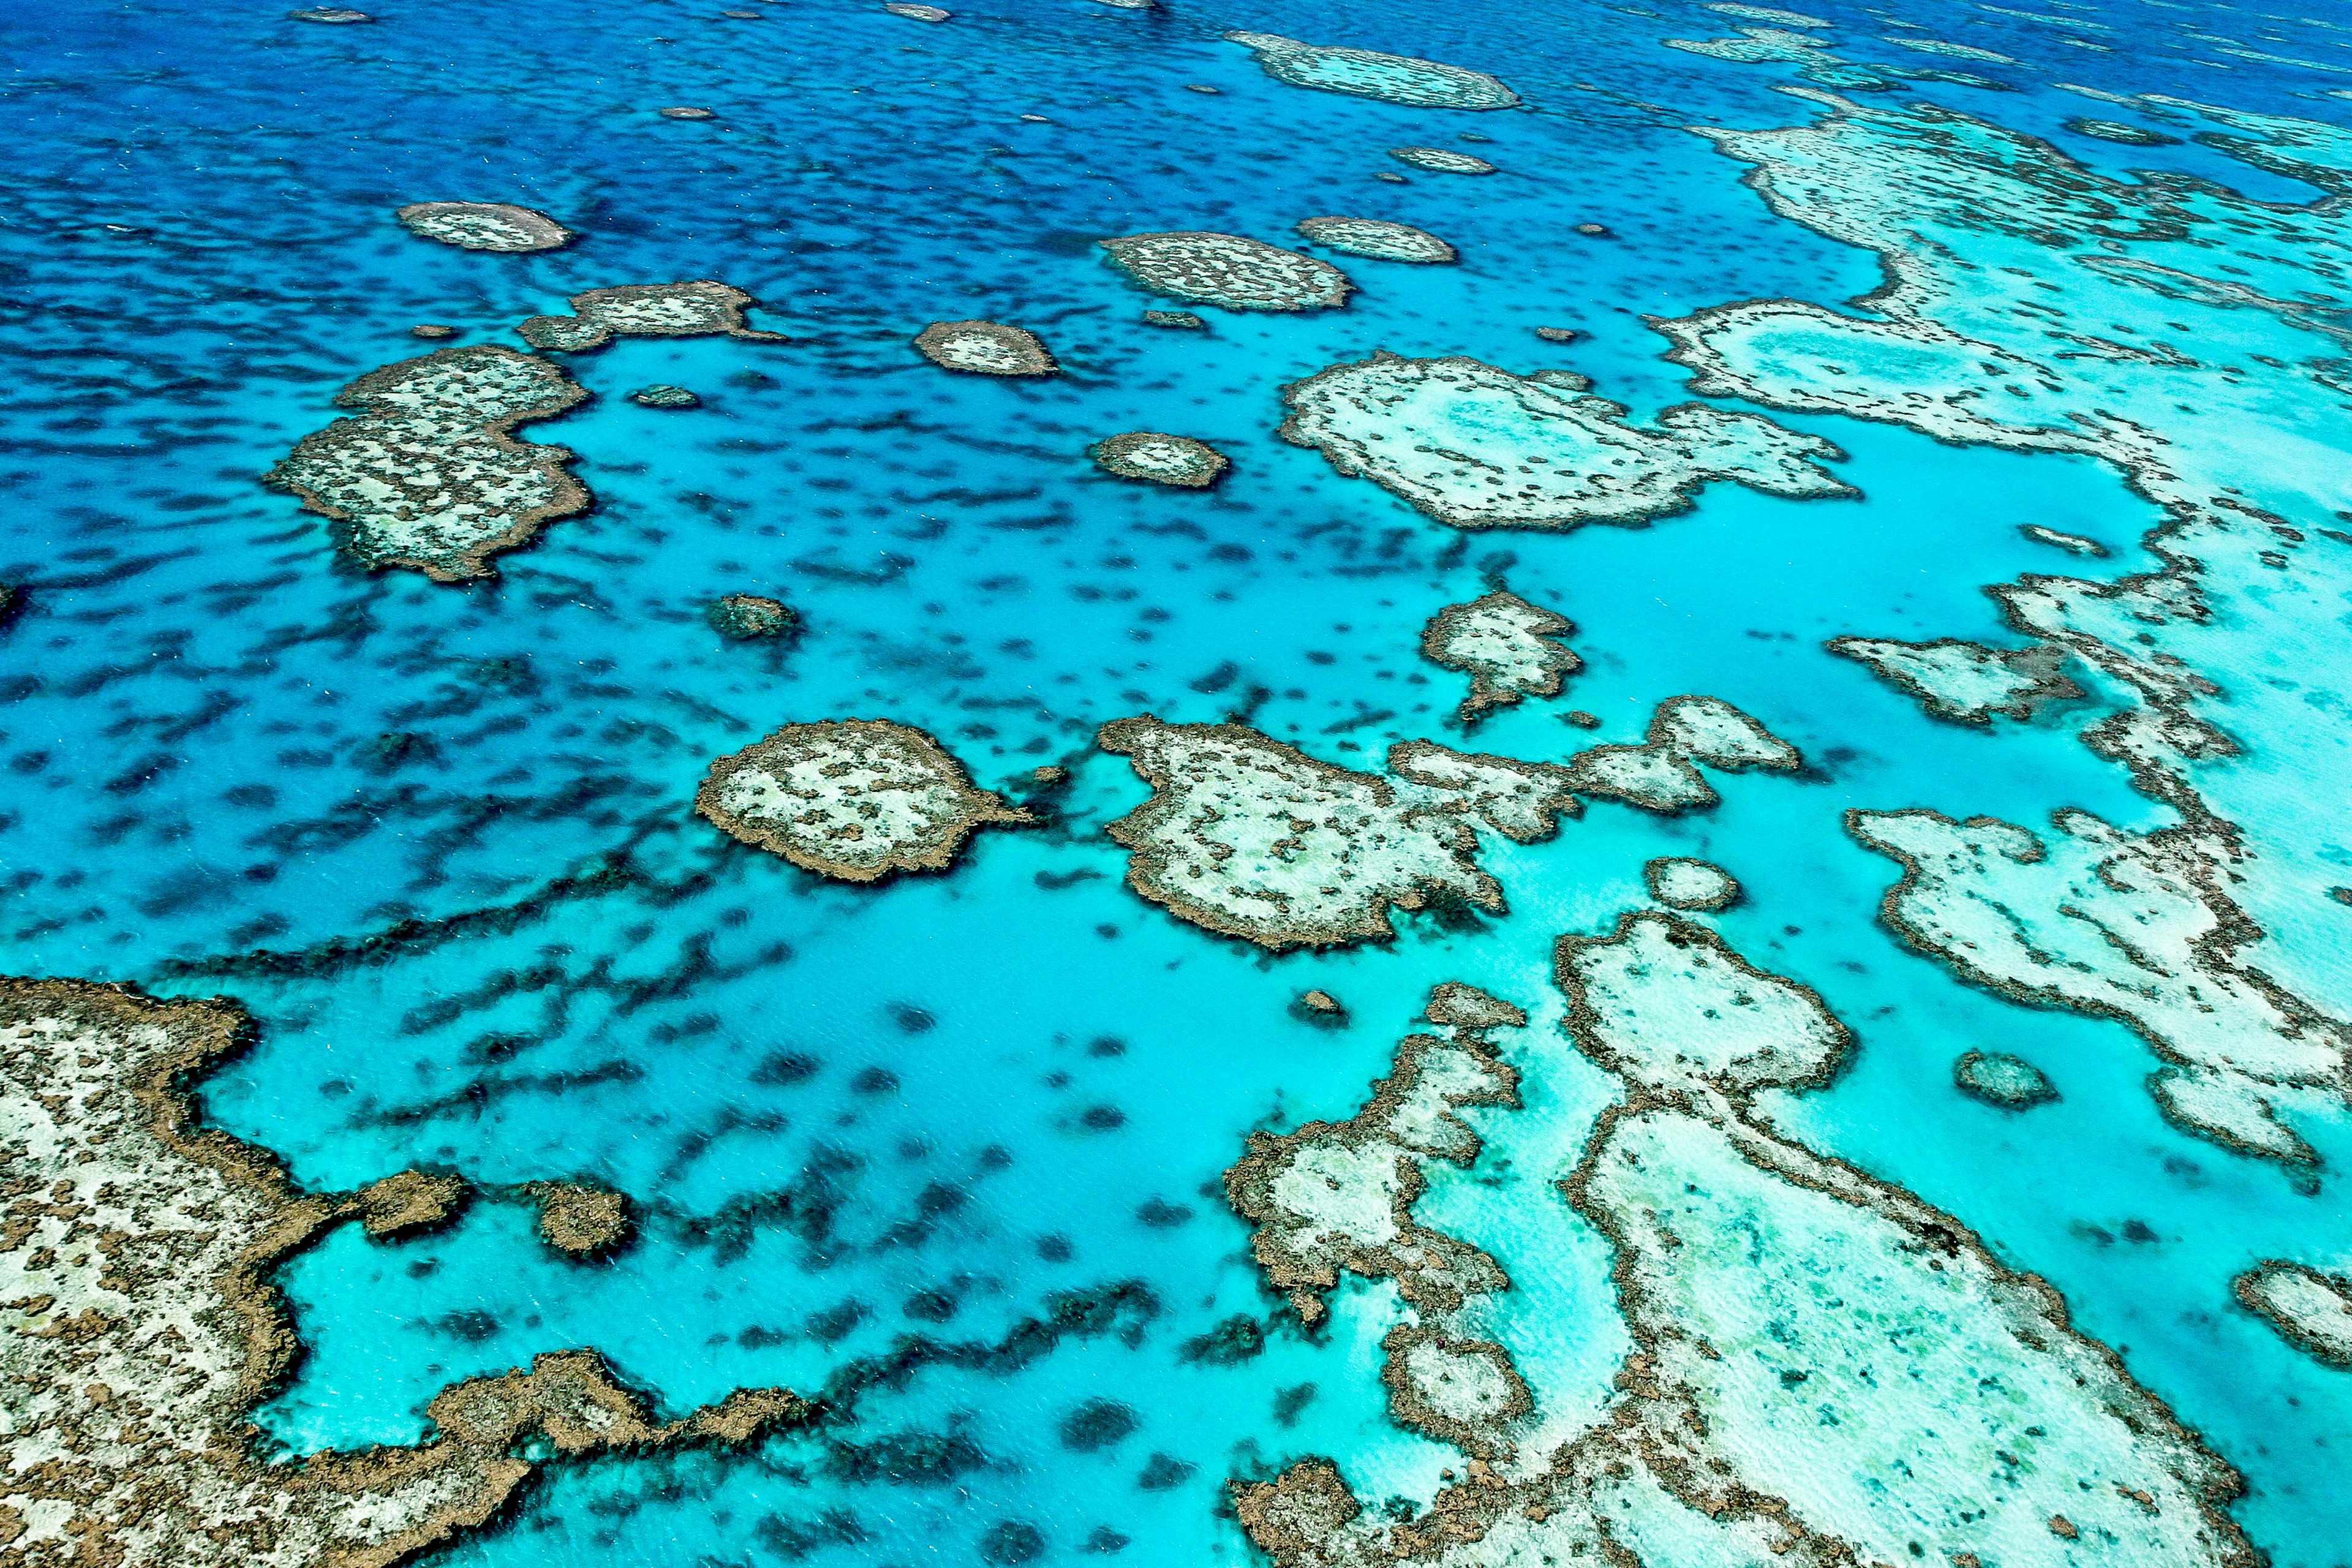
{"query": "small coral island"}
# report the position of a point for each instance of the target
(483, 226)
(1366, 73)
(1661, 775)
(425, 475)
(1229, 270)
(1508, 648)
(853, 798)
(1377, 239)
(1164, 460)
(1962, 680)
(984, 348)
(699, 308)
(142, 1326)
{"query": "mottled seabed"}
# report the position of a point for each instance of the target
(729, 737)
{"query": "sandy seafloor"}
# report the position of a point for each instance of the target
(853, 1115)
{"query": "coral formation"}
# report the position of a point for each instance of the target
(1252, 837)
(1184, 319)
(1824, 1370)
(1441, 160)
(645, 310)
(2116, 131)
(580, 1221)
(1474, 446)
(408, 1203)
(661, 394)
(483, 226)
(1509, 648)
(1999, 1078)
(1393, 79)
(916, 13)
(1229, 270)
(1964, 681)
(1681, 883)
(332, 15)
(1661, 775)
(425, 475)
(2311, 1310)
(1374, 237)
(984, 348)
(1164, 460)
(142, 1326)
(753, 616)
(2134, 926)
(853, 798)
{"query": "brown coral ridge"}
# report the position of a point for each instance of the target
(1674, 1450)
(859, 799)
(699, 308)
(429, 474)
(152, 1325)
(1508, 648)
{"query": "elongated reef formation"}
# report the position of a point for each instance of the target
(854, 799)
(1229, 270)
(1964, 681)
(483, 226)
(1366, 73)
(984, 348)
(1164, 460)
(700, 309)
(1442, 160)
(1377, 239)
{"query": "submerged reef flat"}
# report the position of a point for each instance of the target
(2116, 131)
(1661, 775)
(753, 616)
(142, 1326)
(985, 348)
(661, 394)
(699, 308)
(1474, 446)
(1375, 237)
(2313, 1311)
(1681, 883)
(1164, 460)
(1824, 1370)
(854, 799)
(1508, 648)
(1247, 835)
(1393, 79)
(1999, 1078)
(426, 474)
(1964, 681)
(2133, 927)
(483, 226)
(1229, 270)
(1442, 160)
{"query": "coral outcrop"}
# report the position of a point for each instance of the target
(1229, 270)
(1964, 681)
(1377, 239)
(984, 348)
(1366, 73)
(1662, 775)
(700, 309)
(1509, 648)
(483, 226)
(1164, 460)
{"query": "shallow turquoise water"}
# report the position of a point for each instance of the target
(922, 1114)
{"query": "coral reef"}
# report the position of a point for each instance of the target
(1474, 446)
(2311, 1310)
(426, 475)
(580, 1221)
(694, 309)
(661, 394)
(483, 226)
(1393, 79)
(1999, 1078)
(753, 616)
(1184, 319)
(2116, 131)
(1824, 1370)
(1962, 680)
(1442, 161)
(2134, 926)
(984, 348)
(916, 13)
(853, 798)
(1508, 648)
(1681, 883)
(1661, 775)
(1252, 837)
(1375, 237)
(1226, 269)
(142, 1326)
(1164, 460)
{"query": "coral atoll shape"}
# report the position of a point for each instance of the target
(1394, 78)
(425, 475)
(1509, 648)
(142, 1325)
(483, 226)
(1825, 1369)
(2133, 927)
(1164, 460)
(984, 348)
(1247, 835)
(853, 798)
(2312, 1311)
(1377, 239)
(1474, 446)
(1229, 270)
(699, 308)
(1966, 681)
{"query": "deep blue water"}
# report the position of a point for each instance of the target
(858, 1119)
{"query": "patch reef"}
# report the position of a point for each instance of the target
(1662, 775)
(483, 226)
(1164, 460)
(1964, 681)
(984, 348)
(426, 475)
(1374, 237)
(143, 1325)
(1681, 883)
(1229, 270)
(1365, 73)
(1825, 1371)
(854, 799)
(700, 309)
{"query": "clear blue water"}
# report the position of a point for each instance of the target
(858, 1119)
